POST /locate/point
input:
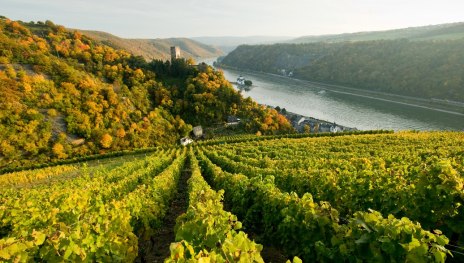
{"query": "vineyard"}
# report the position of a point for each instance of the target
(385, 197)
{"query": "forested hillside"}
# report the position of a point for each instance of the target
(427, 69)
(441, 31)
(156, 48)
(64, 94)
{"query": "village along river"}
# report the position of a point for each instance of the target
(362, 111)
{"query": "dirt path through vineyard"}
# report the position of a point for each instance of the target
(157, 249)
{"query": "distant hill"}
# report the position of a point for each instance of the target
(432, 32)
(155, 48)
(229, 43)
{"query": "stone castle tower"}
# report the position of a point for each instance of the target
(175, 53)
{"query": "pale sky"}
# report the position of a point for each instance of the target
(190, 18)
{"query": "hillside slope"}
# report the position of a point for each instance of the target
(433, 32)
(425, 69)
(155, 48)
(374, 196)
(65, 95)
(410, 176)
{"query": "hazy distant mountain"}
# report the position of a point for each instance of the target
(229, 43)
(156, 48)
(442, 31)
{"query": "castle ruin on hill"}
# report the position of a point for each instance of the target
(175, 53)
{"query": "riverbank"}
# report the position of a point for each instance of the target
(455, 108)
(305, 124)
(341, 107)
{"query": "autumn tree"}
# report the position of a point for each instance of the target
(307, 128)
(59, 151)
(106, 141)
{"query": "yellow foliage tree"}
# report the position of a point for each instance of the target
(121, 133)
(58, 150)
(6, 149)
(106, 140)
(307, 129)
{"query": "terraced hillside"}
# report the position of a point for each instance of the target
(383, 197)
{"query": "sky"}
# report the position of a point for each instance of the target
(193, 18)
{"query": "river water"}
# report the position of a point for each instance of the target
(351, 110)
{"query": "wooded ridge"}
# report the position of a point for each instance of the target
(425, 69)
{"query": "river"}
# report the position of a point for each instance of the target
(361, 111)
